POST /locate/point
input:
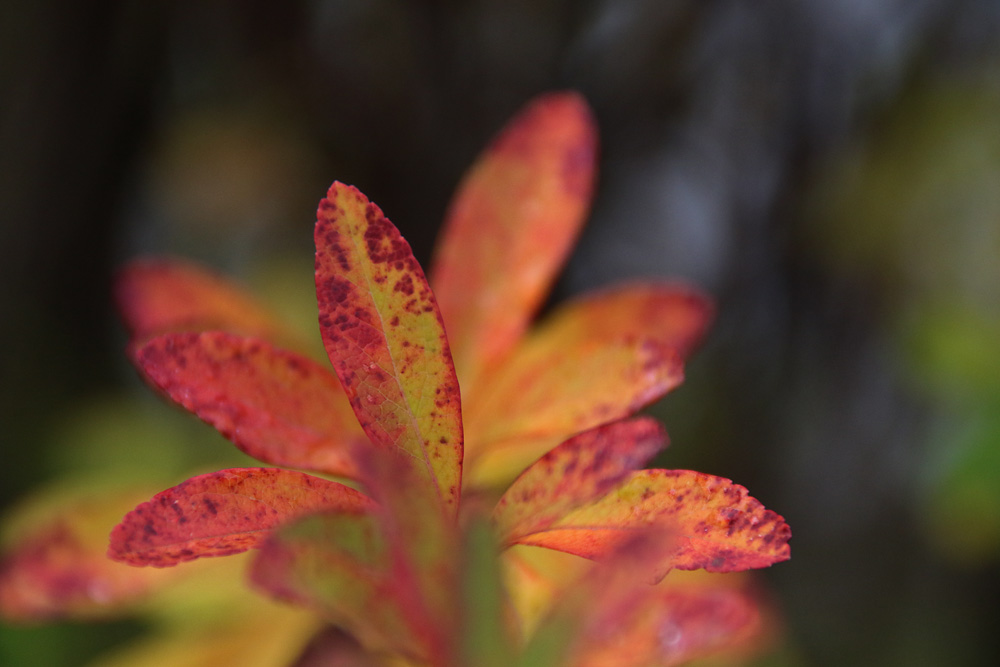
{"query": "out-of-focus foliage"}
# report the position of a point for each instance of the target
(916, 210)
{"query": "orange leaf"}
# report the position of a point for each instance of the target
(56, 563)
(223, 513)
(580, 470)
(511, 226)
(551, 389)
(159, 295)
(597, 358)
(276, 406)
(383, 333)
(716, 525)
(671, 314)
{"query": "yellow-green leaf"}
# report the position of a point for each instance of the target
(383, 333)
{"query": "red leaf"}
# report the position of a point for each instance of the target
(223, 513)
(383, 333)
(276, 406)
(159, 295)
(579, 471)
(511, 226)
(717, 526)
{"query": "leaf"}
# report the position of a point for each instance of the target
(383, 333)
(672, 314)
(277, 406)
(662, 627)
(535, 579)
(160, 295)
(717, 526)
(55, 562)
(611, 615)
(251, 633)
(223, 513)
(339, 565)
(580, 470)
(551, 389)
(511, 226)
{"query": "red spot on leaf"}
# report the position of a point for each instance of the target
(404, 285)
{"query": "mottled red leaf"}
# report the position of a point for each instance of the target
(536, 579)
(717, 526)
(511, 226)
(551, 389)
(383, 333)
(224, 513)
(55, 564)
(160, 295)
(277, 406)
(582, 469)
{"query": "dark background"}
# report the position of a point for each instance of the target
(828, 171)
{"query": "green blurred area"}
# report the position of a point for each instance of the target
(916, 210)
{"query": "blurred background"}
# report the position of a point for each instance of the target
(828, 170)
